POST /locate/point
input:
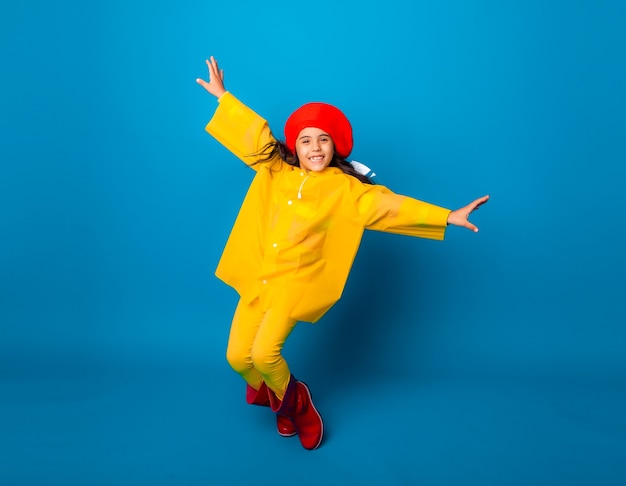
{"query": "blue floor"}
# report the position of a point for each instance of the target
(93, 423)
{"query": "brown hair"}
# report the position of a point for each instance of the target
(278, 149)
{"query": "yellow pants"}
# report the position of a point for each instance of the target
(254, 349)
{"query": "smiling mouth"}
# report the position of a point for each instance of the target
(317, 158)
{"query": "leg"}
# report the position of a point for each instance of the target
(243, 331)
(266, 351)
(291, 399)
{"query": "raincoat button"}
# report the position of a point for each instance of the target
(290, 202)
(275, 245)
(264, 281)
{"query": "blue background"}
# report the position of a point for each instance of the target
(491, 358)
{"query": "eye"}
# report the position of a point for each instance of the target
(324, 139)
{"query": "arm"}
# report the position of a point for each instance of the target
(380, 209)
(386, 211)
(234, 125)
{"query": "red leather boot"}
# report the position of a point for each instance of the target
(297, 404)
(260, 397)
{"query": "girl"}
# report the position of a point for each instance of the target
(295, 238)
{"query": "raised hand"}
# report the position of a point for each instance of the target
(215, 84)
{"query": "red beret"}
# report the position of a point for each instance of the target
(325, 117)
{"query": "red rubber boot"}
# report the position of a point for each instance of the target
(297, 404)
(260, 397)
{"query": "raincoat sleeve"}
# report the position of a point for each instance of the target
(239, 129)
(383, 210)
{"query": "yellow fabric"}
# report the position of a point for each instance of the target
(255, 343)
(297, 233)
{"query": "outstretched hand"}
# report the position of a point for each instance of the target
(460, 217)
(215, 84)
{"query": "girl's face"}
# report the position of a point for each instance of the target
(315, 149)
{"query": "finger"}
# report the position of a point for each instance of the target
(481, 200)
(211, 68)
(203, 83)
(477, 203)
(471, 227)
(215, 66)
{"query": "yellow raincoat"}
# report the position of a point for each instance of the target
(297, 233)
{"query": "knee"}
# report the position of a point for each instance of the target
(238, 358)
(264, 358)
